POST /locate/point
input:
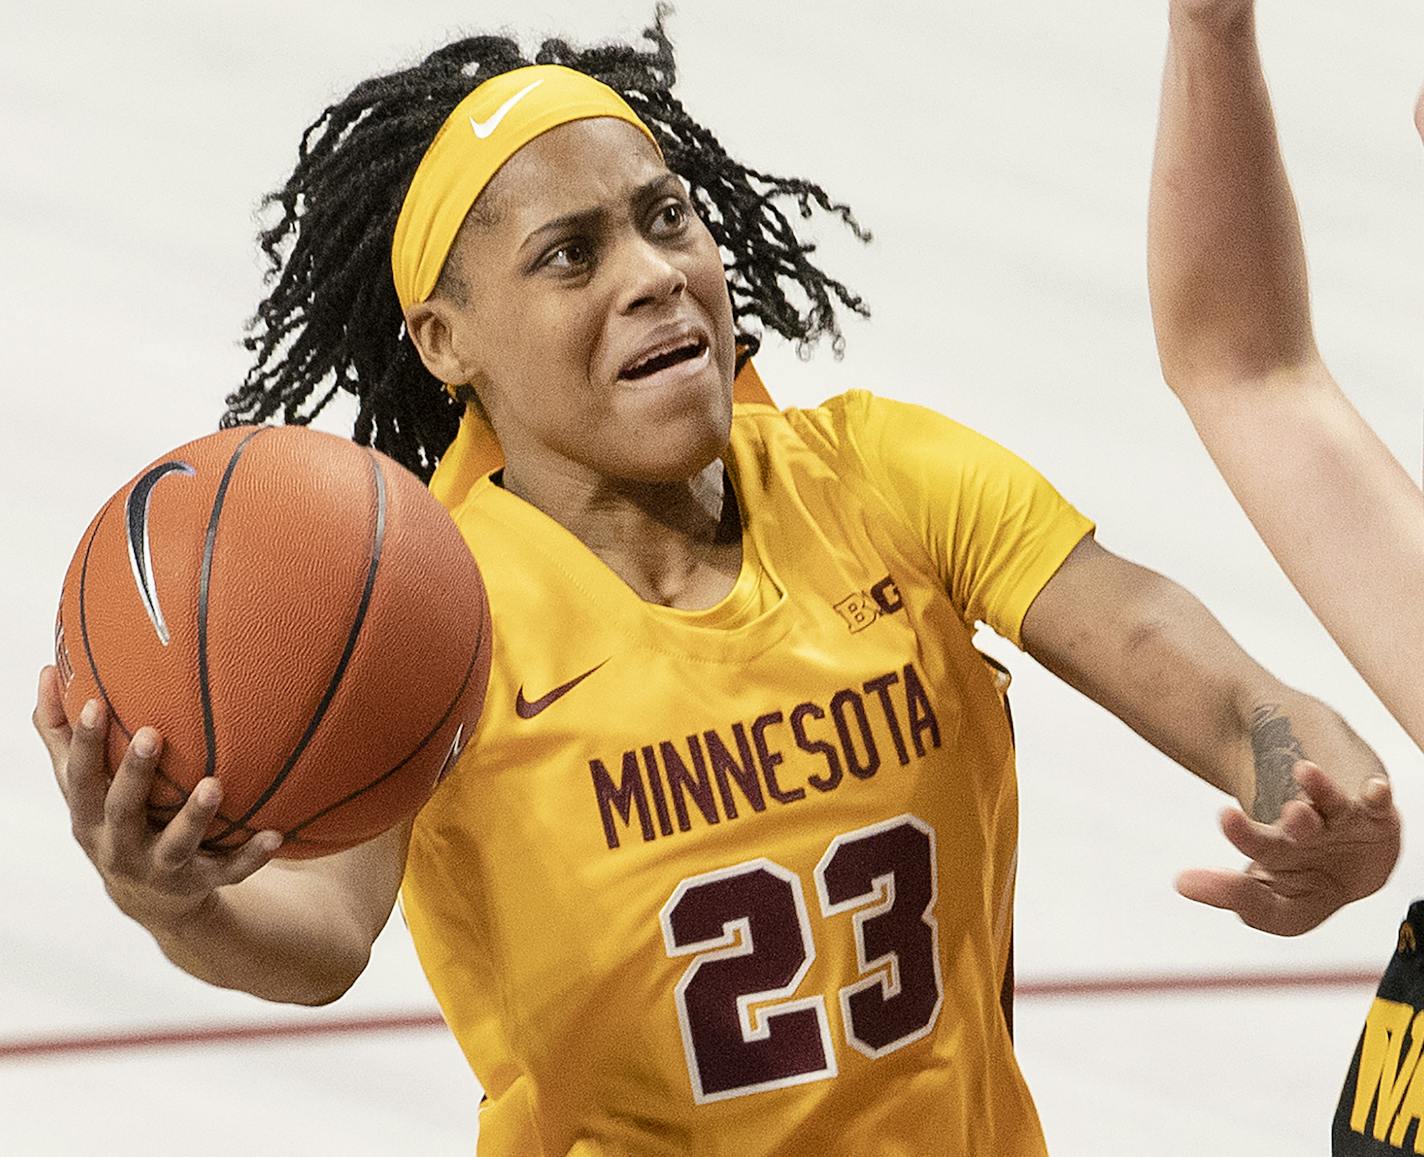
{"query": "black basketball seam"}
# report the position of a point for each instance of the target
(205, 691)
(377, 547)
(172, 809)
(84, 621)
(229, 845)
(99, 682)
(332, 845)
(464, 683)
(167, 811)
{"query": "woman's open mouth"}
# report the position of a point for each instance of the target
(668, 361)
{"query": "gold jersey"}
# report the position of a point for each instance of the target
(740, 881)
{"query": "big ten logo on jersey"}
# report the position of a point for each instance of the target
(862, 608)
(1382, 1107)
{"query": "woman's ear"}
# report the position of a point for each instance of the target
(428, 324)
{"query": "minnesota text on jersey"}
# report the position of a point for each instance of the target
(840, 734)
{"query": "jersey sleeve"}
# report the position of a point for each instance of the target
(994, 527)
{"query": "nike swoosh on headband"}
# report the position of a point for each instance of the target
(483, 128)
(527, 710)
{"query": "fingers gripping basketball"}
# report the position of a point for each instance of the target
(297, 616)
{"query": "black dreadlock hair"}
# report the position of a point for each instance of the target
(332, 321)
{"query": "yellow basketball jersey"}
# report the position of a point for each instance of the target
(740, 881)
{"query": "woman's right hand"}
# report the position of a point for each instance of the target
(158, 876)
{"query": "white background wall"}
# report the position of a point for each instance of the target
(1000, 153)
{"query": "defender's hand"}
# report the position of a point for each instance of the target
(1325, 851)
(157, 876)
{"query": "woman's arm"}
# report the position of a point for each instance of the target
(1230, 304)
(294, 931)
(301, 931)
(1142, 647)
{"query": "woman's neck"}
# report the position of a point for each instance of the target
(677, 544)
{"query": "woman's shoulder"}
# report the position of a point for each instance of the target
(852, 426)
(828, 421)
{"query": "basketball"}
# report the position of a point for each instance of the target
(298, 616)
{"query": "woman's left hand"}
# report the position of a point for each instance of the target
(1324, 851)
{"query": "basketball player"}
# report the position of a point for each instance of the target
(1231, 306)
(728, 864)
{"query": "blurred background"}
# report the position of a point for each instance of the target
(1000, 154)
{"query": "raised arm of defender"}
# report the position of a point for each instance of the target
(1231, 308)
(298, 931)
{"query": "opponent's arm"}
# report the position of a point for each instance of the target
(299, 931)
(1148, 651)
(1230, 306)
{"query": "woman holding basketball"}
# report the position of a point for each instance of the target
(1231, 306)
(733, 687)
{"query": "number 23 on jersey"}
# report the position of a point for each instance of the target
(744, 1028)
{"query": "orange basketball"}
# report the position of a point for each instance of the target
(298, 616)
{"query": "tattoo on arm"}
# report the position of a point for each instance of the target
(1275, 750)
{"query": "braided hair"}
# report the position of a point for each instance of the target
(331, 320)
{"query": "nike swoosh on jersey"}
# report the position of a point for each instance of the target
(484, 128)
(527, 709)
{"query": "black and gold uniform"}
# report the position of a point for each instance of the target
(1382, 1104)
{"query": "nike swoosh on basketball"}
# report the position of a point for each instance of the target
(141, 547)
(485, 127)
(527, 709)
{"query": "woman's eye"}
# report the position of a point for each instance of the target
(671, 218)
(570, 255)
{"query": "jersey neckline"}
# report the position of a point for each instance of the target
(752, 617)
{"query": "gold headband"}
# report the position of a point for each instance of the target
(484, 130)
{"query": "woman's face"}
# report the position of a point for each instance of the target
(590, 310)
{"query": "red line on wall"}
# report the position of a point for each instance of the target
(1176, 985)
(256, 1032)
(181, 1036)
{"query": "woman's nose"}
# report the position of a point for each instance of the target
(649, 276)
